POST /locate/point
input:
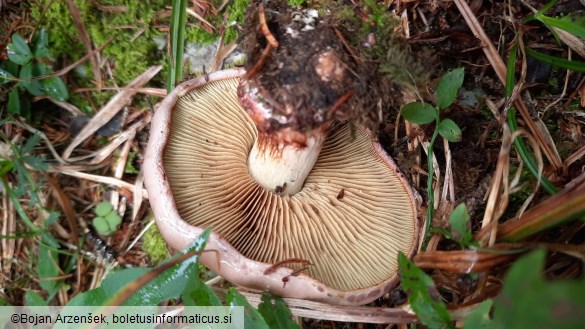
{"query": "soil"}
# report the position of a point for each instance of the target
(315, 75)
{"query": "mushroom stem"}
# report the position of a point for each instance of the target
(281, 165)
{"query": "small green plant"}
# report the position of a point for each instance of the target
(423, 295)
(182, 280)
(107, 220)
(557, 304)
(18, 179)
(460, 230)
(527, 300)
(422, 113)
(573, 23)
(27, 68)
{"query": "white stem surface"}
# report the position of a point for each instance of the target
(284, 172)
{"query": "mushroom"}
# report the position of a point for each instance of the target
(273, 199)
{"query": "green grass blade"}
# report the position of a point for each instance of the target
(575, 66)
(522, 150)
(573, 24)
(18, 207)
(178, 20)
(541, 11)
(518, 143)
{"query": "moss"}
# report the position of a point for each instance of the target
(296, 3)
(135, 46)
(154, 245)
(129, 54)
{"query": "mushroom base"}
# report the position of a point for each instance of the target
(283, 168)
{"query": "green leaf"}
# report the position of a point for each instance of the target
(30, 144)
(419, 113)
(5, 77)
(25, 75)
(449, 130)
(511, 69)
(119, 279)
(480, 317)
(431, 310)
(40, 69)
(169, 284)
(53, 218)
(48, 265)
(94, 297)
(573, 23)
(114, 220)
(14, 102)
(103, 208)
(252, 318)
(541, 11)
(575, 66)
(55, 88)
(459, 221)
(197, 293)
(276, 313)
(40, 44)
(448, 87)
(18, 50)
(557, 304)
(102, 226)
(36, 163)
(32, 298)
(35, 87)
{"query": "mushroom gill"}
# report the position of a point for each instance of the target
(350, 219)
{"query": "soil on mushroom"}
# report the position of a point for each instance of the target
(314, 74)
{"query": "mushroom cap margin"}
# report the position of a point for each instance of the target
(232, 265)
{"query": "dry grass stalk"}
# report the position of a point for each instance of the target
(158, 92)
(574, 42)
(67, 106)
(464, 261)
(70, 67)
(65, 203)
(8, 229)
(570, 202)
(223, 51)
(84, 36)
(42, 136)
(360, 314)
(572, 159)
(199, 18)
(111, 109)
(500, 68)
(66, 170)
(102, 154)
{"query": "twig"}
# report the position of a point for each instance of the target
(347, 45)
(340, 102)
(264, 27)
(70, 67)
(265, 53)
(276, 265)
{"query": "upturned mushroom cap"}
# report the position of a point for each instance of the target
(353, 215)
